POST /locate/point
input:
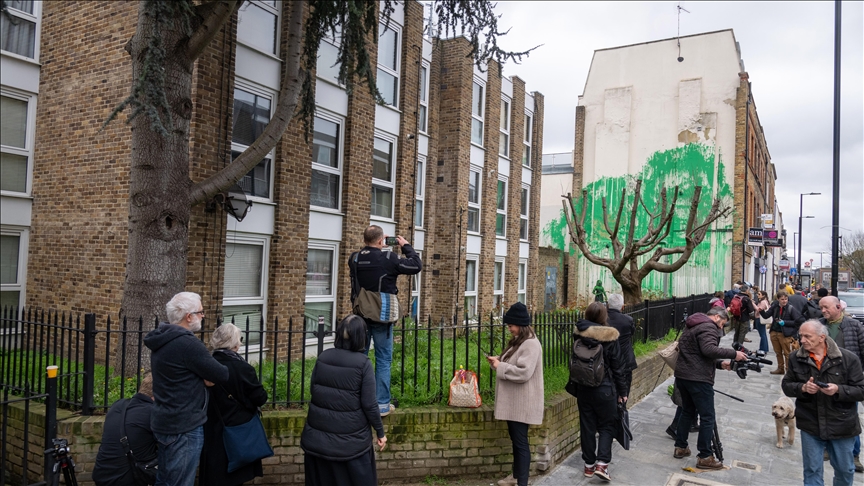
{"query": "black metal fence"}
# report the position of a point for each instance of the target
(100, 364)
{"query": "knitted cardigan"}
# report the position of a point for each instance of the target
(519, 385)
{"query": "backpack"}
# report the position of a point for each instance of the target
(735, 305)
(586, 364)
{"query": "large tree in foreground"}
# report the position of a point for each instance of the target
(631, 243)
(169, 37)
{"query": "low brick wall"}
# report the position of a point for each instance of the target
(422, 441)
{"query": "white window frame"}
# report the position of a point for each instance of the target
(334, 273)
(527, 139)
(475, 206)
(387, 184)
(36, 18)
(420, 193)
(471, 294)
(395, 73)
(498, 210)
(504, 148)
(498, 293)
(416, 282)
(273, 9)
(29, 138)
(480, 106)
(20, 284)
(327, 42)
(257, 90)
(525, 196)
(423, 110)
(227, 302)
(522, 282)
(340, 149)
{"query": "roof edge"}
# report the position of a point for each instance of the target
(667, 39)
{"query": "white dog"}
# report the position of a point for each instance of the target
(783, 411)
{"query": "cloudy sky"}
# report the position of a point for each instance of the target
(788, 50)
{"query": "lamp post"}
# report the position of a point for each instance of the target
(800, 217)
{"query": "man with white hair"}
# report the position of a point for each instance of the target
(827, 382)
(180, 364)
(626, 329)
(848, 333)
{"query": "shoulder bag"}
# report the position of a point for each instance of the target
(143, 472)
(375, 306)
(244, 443)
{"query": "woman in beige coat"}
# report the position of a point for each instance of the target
(519, 388)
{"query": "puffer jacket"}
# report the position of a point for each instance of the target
(827, 417)
(851, 336)
(699, 353)
(592, 334)
(342, 408)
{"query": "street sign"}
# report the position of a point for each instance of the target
(784, 265)
(767, 220)
(771, 237)
(763, 269)
(807, 264)
(793, 271)
(754, 237)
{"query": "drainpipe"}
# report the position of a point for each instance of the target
(416, 136)
(746, 163)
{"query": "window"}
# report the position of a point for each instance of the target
(420, 193)
(423, 108)
(523, 214)
(498, 285)
(526, 141)
(474, 200)
(504, 136)
(501, 209)
(382, 178)
(257, 25)
(15, 141)
(415, 292)
(13, 245)
(244, 300)
(388, 64)
(327, 66)
(523, 277)
(320, 286)
(477, 114)
(326, 164)
(252, 111)
(471, 287)
(18, 28)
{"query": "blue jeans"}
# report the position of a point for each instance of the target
(697, 397)
(840, 452)
(763, 336)
(382, 334)
(178, 457)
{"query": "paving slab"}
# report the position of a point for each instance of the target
(746, 432)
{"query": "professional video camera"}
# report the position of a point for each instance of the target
(754, 361)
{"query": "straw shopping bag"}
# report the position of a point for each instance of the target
(463, 389)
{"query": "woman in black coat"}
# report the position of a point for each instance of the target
(233, 403)
(337, 438)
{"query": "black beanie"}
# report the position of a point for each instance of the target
(517, 315)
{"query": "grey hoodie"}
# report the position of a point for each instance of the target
(180, 363)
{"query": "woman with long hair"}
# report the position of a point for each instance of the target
(598, 409)
(761, 322)
(519, 388)
(337, 437)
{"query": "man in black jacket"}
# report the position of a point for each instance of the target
(741, 322)
(112, 467)
(626, 328)
(376, 271)
(699, 355)
(827, 383)
(182, 368)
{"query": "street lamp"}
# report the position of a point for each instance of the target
(800, 217)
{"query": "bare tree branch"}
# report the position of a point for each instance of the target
(577, 229)
(214, 16)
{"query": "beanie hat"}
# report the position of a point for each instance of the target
(823, 292)
(517, 315)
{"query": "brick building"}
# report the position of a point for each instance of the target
(449, 163)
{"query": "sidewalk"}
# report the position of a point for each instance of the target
(746, 431)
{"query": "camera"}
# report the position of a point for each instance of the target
(754, 361)
(391, 241)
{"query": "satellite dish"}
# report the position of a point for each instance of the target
(235, 202)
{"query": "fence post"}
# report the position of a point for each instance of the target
(89, 363)
(50, 421)
(647, 320)
(320, 335)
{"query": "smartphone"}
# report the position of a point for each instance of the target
(821, 384)
(391, 241)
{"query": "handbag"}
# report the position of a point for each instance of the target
(622, 427)
(244, 443)
(144, 473)
(463, 390)
(375, 306)
(669, 354)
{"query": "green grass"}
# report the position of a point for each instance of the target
(641, 349)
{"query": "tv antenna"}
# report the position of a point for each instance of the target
(680, 8)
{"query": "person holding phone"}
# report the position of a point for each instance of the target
(376, 270)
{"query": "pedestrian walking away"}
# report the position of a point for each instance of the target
(626, 329)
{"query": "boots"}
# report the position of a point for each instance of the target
(779, 371)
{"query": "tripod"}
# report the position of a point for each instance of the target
(62, 461)
(716, 445)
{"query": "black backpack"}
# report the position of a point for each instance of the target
(586, 364)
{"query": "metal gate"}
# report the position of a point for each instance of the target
(11, 471)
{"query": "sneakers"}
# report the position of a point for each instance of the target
(672, 433)
(858, 466)
(508, 481)
(778, 372)
(708, 463)
(602, 471)
(387, 410)
(589, 470)
(681, 453)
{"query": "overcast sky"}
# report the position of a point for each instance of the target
(788, 51)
